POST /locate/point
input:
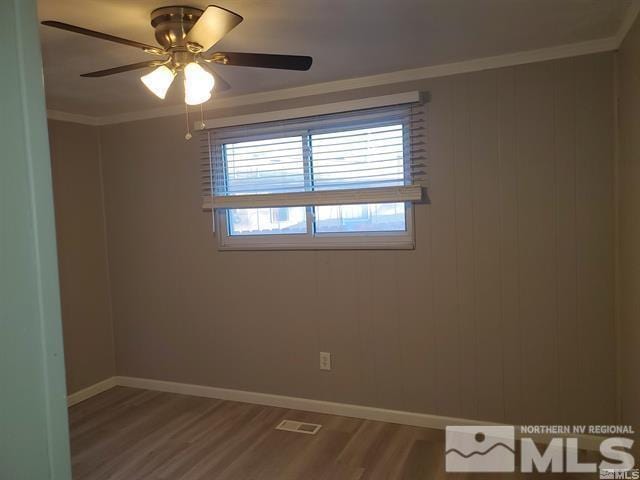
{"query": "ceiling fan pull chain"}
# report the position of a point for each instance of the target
(188, 134)
(202, 125)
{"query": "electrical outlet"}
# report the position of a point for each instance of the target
(325, 361)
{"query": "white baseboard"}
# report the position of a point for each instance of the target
(306, 404)
(425, 420)
(91, 391)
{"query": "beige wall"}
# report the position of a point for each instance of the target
(629, 223)
(86, 310)
(503, 312)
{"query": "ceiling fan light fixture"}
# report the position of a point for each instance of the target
(159, 80)
(198, 84)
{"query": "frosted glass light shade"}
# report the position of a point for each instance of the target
(159, 80)
(198, 84)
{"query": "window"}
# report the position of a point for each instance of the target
(370, 217)
(336, 181)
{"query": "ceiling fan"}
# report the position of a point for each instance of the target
(187, 35)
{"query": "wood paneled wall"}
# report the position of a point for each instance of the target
(82, 254)
(503, 312)
(629, 224)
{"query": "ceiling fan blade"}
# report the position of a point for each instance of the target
(123, 68)
(263, 60)
(214, 24)
(104, 36)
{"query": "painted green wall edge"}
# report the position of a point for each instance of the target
(34, 441)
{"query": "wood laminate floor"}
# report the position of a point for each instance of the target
(132, 434)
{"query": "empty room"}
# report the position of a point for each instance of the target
(320, 239)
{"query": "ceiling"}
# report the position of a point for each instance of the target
(346, 38)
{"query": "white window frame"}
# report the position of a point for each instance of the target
(396, 240)
(310, 240)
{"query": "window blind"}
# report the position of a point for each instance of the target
(375, 155)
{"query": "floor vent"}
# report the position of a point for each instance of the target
(299, 427)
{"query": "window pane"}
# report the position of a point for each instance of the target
(373, 217)
(267, 221)
(360, 158)
(264, 166)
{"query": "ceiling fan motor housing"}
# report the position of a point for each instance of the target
(172, 24)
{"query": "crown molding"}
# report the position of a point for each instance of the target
(627, 22)
(423, 73)
(322, 109)
(73, 118)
